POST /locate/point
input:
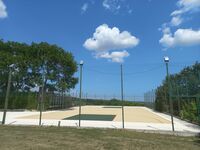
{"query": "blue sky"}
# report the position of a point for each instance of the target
(137, 33)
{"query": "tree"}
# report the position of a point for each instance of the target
(37, 64)
(12, 54)
(184, 92)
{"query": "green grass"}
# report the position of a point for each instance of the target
(92, 117)
(63, 138)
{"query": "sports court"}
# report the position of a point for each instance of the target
(135, 117)
(104, 113)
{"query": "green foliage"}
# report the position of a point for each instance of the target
(21, 100)
(112, 102)
(35, 64)
(161, 101)
(189, 111)
(32, 101)
(184, 89)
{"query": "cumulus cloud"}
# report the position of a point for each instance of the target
(116, 56)
(176, 21)
(166, 30)
(106, 38)
(3, 12)
(186, 6)
(84, 8)
(182, 37)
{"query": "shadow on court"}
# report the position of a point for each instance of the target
(92, 117)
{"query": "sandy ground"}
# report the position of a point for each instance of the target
(132, 114)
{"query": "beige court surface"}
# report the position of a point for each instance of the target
(132, 114)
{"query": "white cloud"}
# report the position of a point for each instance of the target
(106, 5)
(182, 37)
(3, 12)
(113, 5)
(186, 6)
(84, 8)
(106, 38)
(176, 21)
(116, 6)
(117, 56)
(166, 30)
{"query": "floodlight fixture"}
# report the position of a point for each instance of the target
(81, 62)
(166, 59)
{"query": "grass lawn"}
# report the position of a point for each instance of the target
(64, 138)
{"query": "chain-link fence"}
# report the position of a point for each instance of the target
(149, 99)
(183, 94)
(183, 90)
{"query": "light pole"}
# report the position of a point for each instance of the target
(80, 94)
(7, 95)
(41, 103)
(166, 60)
(122, 95)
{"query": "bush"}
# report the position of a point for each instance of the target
(189, 111)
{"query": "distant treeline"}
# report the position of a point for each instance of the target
(185, 94)
(52, 101)
(112, 102)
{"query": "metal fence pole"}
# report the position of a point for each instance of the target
(80, 94)
(42, 98)
(7, 96)
(122, 97)
(170, 100)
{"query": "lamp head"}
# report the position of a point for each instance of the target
(81, 62)
(166, 59)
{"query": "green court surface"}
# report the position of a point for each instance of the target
(92, 117)
(112, 107)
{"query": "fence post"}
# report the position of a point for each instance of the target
(122, 96)
(7, 96)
